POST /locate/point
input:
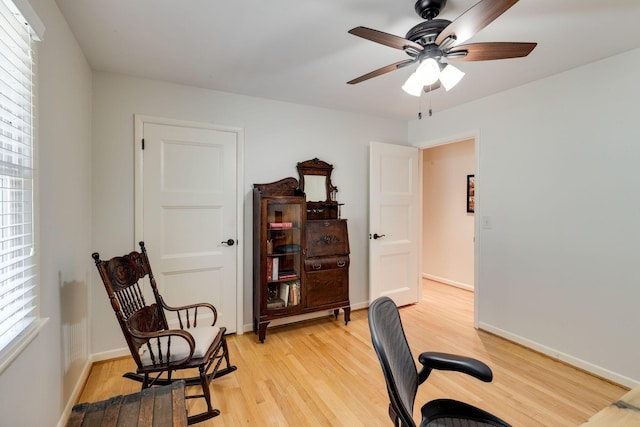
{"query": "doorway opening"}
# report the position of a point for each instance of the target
(448, 227)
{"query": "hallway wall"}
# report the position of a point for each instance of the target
(447, 228)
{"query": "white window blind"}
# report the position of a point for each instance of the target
(18, 278)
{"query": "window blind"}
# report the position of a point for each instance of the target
(18, 278)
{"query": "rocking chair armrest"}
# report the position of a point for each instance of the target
(453, 362)
(148, 336)
(188, 307)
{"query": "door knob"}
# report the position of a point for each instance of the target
(377, 236)
(229, 242)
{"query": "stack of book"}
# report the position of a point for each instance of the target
(280, 225)
(289, 295)
(287, 274)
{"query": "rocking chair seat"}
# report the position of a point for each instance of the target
(204, 337)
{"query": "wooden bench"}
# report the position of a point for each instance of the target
(156, 406)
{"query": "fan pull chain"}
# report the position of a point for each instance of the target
(420, 104)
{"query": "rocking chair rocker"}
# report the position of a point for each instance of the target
(157, 349)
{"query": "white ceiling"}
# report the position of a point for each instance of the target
(299, 50)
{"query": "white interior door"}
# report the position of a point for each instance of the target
(394, 197)
(189, 212)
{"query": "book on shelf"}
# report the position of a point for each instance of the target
(284, 293)
(294, 293)
(287, 274)
(280, 225)
(272, 268)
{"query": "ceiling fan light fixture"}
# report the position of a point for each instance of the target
(450, 76)
(413, 85)
(428, 71)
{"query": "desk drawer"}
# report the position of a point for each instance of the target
(327, 287)
(326, 263)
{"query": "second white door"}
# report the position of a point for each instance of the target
(394, 208)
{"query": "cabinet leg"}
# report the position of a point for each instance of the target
(335, 313)
(347, 314)
(262, 331)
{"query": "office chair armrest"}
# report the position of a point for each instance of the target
(452, 362)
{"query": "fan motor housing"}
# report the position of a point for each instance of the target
(429, 9)
(426, 32)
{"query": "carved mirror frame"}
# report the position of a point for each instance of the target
(314, 168)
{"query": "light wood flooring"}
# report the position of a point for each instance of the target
(323, 373)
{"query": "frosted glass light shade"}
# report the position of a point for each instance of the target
(429, 71)
(450, 76)
(413, 85)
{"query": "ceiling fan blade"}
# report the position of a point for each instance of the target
(473, 20)
(384, 38)
(381, 71)
(432, 87)
(489, 51)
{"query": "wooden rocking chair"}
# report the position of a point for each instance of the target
(157, 349)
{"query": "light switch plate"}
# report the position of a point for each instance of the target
(486, 222)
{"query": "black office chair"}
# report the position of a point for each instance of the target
(403, 378)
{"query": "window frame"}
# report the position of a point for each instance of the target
(27, 18)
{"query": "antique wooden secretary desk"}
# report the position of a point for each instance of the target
(300, 247)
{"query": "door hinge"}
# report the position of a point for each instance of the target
(143, 143)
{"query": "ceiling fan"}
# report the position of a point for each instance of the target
(434, 40)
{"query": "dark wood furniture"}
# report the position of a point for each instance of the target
(157, 346)
(326, 266)
(297, 228)
(278, 239)
(152, 407)
(326, 272)
(320, 193)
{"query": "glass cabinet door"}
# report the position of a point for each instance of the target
(283, 255)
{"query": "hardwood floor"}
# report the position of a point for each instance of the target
(323, 373)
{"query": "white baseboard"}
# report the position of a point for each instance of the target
(460, 285)
(111, 354)
(75, 393)
(563, 357)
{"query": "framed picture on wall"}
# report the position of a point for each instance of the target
(471, 193)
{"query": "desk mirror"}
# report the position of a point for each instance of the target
(315, 180)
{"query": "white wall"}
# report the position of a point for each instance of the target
(36, 386)
(448, 229)
(277, 136)
(557, 176)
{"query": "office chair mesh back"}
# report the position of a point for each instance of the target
(402, 377)
(396, 359)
